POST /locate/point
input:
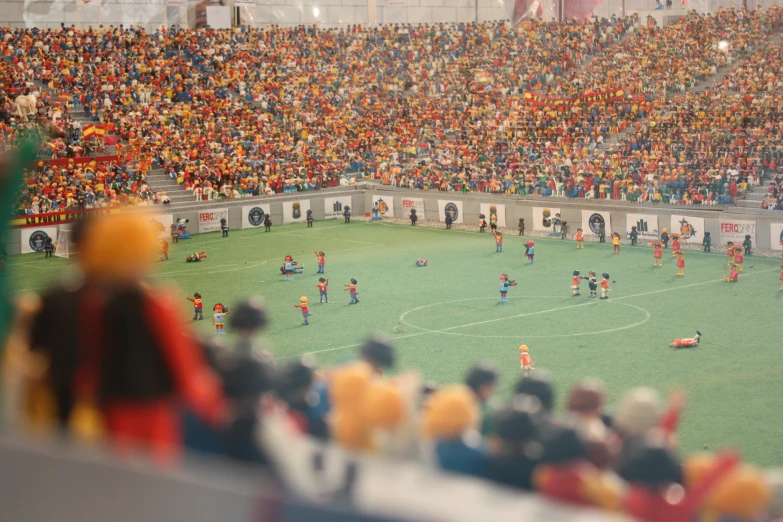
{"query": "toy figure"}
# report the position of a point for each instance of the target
(743, 495)
(498, 241)
(730, 252)
(747, 244)
(739, 259)
(565, 473)
(218, 318)
(493, 218)
(688, 342)
(657, 253)
(174, 233)
(449, 220)
(580, 238)
(733, 275)
(605, 286)
(290, 267)
(665, 238)
(564, 230)
(198, 306)
(634, 235)
(707, 242)
(601, 233)
(224, 227)
(305, 309)
(164, 250)
(451, 420)
(615, 243)
(654, 474)
(348, 386)
(321, 260)
(347, 214)
(309, 218)
(575, 281)
(182, 229)
(675, 243)
(422, 261)
(351, 289)
(525, 361)
(48, 247)
(482, 223)
(505, 283)
(529, 252)
(323, 287)
(521, 227)
(196, 257)
(413, 217)
(680, 262)
(592, 283)
(267, 223)
(781, 275)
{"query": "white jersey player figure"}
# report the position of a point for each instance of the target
(689, 342)
(525, 361)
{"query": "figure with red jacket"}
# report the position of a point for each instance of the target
(198, 306)
(305, 309)
(680, 262)
(605, 286)
(733, 276)
(739, 257)
(351, 289)
(323, 288)
(575, 282)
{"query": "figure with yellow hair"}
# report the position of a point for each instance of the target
(525, 361)
(305, 309)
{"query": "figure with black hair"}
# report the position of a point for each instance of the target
(224, 227)
(378, 352)
(605, 286)
(294, 387)
(482, 379)
(351, 289)
(48, 247)
(413, 217)
(347, 214)
(309, 218)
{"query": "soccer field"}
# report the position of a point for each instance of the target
(447, 316)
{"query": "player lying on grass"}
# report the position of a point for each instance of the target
(689, 342)
(195, 258)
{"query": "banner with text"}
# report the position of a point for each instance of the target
(498, 211)
(384, 205)
(585, 99)
(162, 224)
(543, 218)
(253, 216)
(176, 3)
(409, 204)
(592, 221)
(454, 209)
(646, 226)
(244, 3)
(691, 228)
(736, 230)
(334, 207)
(209, 220)
(57, 218)
(295, 211)
(34, 239)
(776, 236)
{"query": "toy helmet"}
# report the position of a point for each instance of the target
(605, 275)
(353, 281)
(523, 348)
(197, 295)
(530, 243)
(576, 272)
(504, 277)
(321, 279)
(217, 308)
(303, 299)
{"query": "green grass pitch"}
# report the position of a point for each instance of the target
(447, 316)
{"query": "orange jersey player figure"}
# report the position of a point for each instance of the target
(680, 262)
(733, 276)
(688, 342)
(196, 258)
(580, 238)
(605, 286)
(218, 318)
(739, 257)
(498, 241)
(321, 261)
(198, 306)
(676, 238)
(305, 309)
(525, 361)
(164, 250)
(351, 289)
(323, 288)
(657, 253)
(575, 282)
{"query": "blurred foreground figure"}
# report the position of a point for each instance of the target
(120, 365)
